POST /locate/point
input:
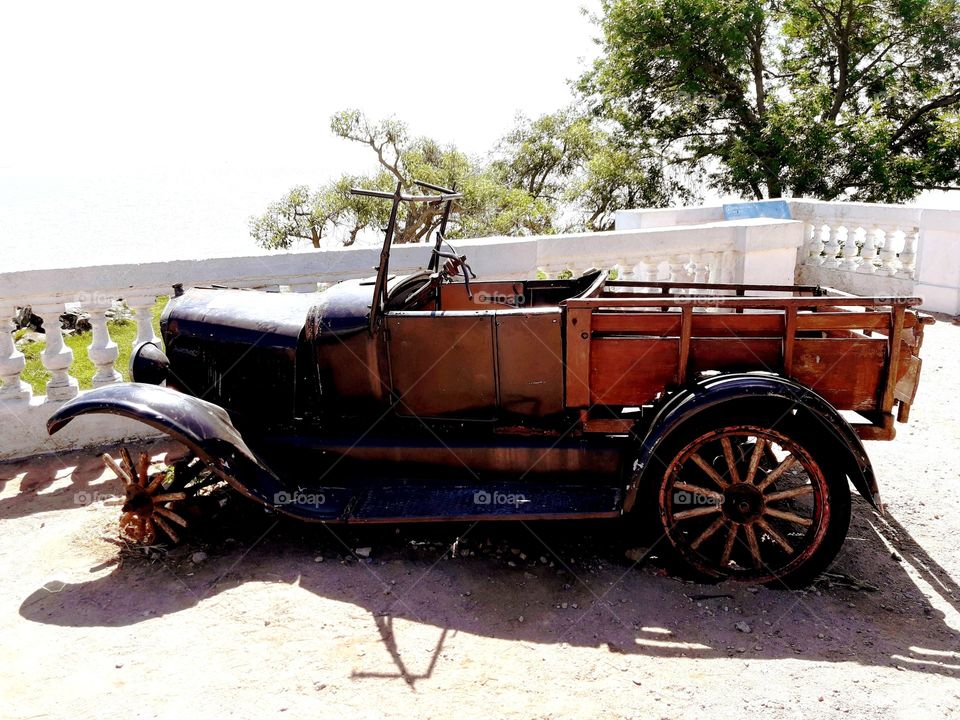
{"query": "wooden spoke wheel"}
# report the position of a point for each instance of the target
(753, 503)
(156, 496)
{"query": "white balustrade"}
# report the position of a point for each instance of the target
(12, 361)
(56, 356)
(677, 265)
(102, 351)
(868, 253)
(850, 260)
(814, 243)
(908, 256)
(142, 306)
(889, 265)
(832, 247)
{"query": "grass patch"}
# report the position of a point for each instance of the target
(123, 333)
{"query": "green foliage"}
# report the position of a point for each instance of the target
(123, 333)
(830, 98)
(561, 171)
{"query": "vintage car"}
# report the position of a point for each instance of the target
(708, 416)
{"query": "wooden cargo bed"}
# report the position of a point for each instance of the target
(629, 341)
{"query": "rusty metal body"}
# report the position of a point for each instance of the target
(423, 398)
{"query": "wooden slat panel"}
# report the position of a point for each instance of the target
(735, 355)
(577, 356)
(647, 323)
(843, 321)
(848, 373)
(631, 371)
(704, 325)
(740, 303)
(893, 364)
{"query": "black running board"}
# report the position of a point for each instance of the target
(408, 502)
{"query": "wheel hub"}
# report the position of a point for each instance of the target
(742, 502)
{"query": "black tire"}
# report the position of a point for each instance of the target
(779, 516)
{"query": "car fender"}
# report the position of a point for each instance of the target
(760, 390)
(203, 427)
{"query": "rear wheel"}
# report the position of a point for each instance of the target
(752, 501)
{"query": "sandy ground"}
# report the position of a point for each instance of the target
(521, 620)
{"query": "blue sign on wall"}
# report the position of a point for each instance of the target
(763, 209)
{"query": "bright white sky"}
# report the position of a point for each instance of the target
(94, 87)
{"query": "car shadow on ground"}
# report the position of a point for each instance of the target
(546, 582)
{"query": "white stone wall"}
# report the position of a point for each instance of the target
(762, 251)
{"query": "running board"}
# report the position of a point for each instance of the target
(433, 502)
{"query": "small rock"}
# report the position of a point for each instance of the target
(563, 606)
(895, 557)
(363, 552)
(520, 618)
(635, 554)
(198, 557)
(743, 627)
(636, 681)
(753, 589)
(318, 558)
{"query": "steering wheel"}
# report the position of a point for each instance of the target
(452, 267)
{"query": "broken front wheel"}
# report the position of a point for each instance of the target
(161, 499)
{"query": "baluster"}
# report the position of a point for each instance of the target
(868, 253)
(650, 267)
(12, 362)
(56, 356)
(142, 306)
(678, 271)
(102, 350)
(708, 268)
(698, 269)
(832, 246)
(850, 260)
(813, 243)
(888, 253)
(908, 256)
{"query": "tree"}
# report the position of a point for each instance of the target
(826, 98)
(489, 207)
(585, 170)
(561, 171)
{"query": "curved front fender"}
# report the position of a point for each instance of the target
(764, 389)
(203, 427)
